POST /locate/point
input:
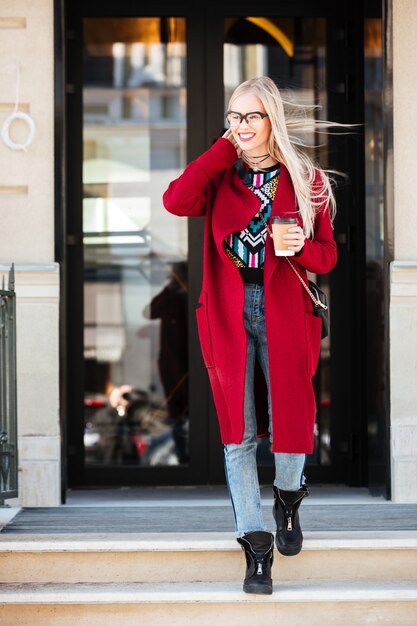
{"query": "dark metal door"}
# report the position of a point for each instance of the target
(314, 52)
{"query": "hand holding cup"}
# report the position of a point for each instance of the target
(287, 235)
(294, 239)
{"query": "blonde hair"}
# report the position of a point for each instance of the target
(290, 150)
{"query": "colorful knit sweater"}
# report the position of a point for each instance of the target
(247, 247)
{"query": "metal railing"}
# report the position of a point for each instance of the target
(8, 403)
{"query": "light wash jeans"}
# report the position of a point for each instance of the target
(240, 459)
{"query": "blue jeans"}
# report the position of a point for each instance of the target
(240, 459)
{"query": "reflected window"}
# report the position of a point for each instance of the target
(135, 253)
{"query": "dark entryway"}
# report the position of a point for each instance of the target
(145, 95)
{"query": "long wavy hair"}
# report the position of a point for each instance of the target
(285, 117)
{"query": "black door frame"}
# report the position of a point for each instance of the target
(205, 100)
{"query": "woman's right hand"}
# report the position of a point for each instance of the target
(229, 135)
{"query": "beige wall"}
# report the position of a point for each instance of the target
(27, 219)
(27, 239)
(405, 127)
(403, 274)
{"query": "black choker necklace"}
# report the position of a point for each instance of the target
(254, 164)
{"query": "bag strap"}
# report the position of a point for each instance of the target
(315, 300)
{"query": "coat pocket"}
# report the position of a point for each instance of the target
(204, 331)
(313, 339)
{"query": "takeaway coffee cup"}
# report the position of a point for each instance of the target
(280, 226)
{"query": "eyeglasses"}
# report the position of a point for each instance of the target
(254, 118)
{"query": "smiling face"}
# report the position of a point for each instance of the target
(252, 139)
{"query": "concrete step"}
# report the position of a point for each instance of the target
(201, 557)
(313, 602)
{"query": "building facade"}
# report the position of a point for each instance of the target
(111, 385)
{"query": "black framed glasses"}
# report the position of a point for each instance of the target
(254, 118)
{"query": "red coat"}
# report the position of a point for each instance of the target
(210, 186)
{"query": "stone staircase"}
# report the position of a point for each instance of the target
(195, 579)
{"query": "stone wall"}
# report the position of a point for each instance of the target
(403, 353)
(27, 239)
(403, 274)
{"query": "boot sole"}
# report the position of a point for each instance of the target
(257, 589)
(288, 552)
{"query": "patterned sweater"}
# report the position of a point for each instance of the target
(247, 247)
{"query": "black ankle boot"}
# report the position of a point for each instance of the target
(288, 538)
(259, 551)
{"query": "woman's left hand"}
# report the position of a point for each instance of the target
(294, 239)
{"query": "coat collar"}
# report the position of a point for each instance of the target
(234, 210)
(284, 202)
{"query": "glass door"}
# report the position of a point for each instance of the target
(292, 51)
(316, 58)
(133, 377)
(135, 253)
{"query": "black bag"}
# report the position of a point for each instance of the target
(318, 310)
(319, 298)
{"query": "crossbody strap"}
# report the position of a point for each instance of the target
(315, 300)
(312, 296)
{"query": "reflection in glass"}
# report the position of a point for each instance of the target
(292, 51)
(134, 134)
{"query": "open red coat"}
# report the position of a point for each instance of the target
(211, 186)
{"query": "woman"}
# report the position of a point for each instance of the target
(254, 316)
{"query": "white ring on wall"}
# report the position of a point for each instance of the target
(5, 135)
